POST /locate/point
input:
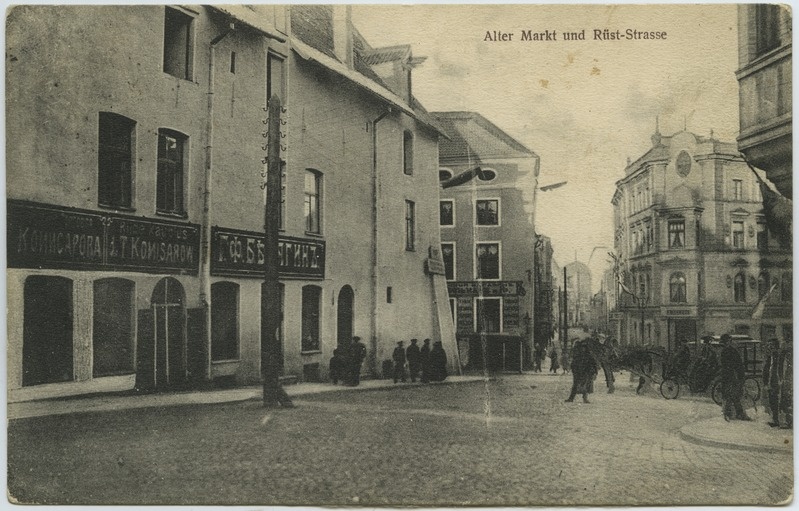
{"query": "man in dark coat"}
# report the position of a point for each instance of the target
(424, 360)
(584, 371)
(399, 363)
(338, 366)
(438, 362)
(357, 354)
(414, 359)
(786, 382)
(554, 365)
(732, 380)
(771, 381)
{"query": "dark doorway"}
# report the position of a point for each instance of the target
(346, 303)
(681, 329)
(169, 316)
(47, 355)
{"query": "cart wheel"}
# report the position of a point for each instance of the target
(670, 389)
(715, 392)
(751, 393)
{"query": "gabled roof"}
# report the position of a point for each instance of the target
(473, 137)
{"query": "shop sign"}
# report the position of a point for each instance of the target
(46, 236)
(677, 312)
(482, 288)
(236, 253)
(465, 317)
(435, 266)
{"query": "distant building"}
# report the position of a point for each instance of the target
(135, 152)
(765, 81)
(694, 252)
(579, 294)
(544, 319)
(488, 239)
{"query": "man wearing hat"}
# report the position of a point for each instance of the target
(357, 354)
(732, 380)
(399, 363)
(414, 357)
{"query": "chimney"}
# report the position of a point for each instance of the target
(342, 33)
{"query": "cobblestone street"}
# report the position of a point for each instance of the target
(507, 442)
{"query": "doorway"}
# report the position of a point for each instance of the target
(47, 354)
(346, 303)
(169, 335)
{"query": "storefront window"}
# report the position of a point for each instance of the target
(310, 318)
(224, 321)
(112, 332)
(47, 354)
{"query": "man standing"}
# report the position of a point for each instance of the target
(424, 358)
(414, 359)
(357, 354)
(732, 380)
(399, 363)
(771, 380)
(786, 382)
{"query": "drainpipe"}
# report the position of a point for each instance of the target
(205, 244)
(375, 189)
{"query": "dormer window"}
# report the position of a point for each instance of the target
(444, 174)
(487, 175)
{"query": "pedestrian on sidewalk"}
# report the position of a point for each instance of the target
(357, 354)
(438, 362)
(732, 381)
(414, 360)
(399, 363)
(338, 367)
(424, 360)
(553, 361)
(771, 381)
(786, 382)
(584, 371)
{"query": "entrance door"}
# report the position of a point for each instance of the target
(47, 331)
(169, 332)
(346, 303)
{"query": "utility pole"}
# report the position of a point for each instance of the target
(274, 394)
(565, 311)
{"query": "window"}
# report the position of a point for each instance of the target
(410, 225)
(115, 160)
(310, 317)
(677, 292)
(767, 27)
(177, 43)
(389, 294)
(448, 253)
(446, 213)
(487, 261)
(47, 330)
(742, 329)
(488, 212)
(642, 286)
(649, 238)
(224, 321)
(444, 174)
(489, 315)
(487, 175)
(407, 152)
(676, 233)
(171, 150)
(648, 293)
(739, 288)
(763, 284)
(786, 290)
(113, 327)
(762, 236)
(313, 217)
(737, 235)
(275, 78)
(737, 189)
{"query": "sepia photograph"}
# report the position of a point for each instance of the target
(382, 256)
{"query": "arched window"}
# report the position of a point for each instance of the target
(763, 284)
(739, 288)
(487, 175)
(444, 174)
(47, 330)
(310, 317)
(224, 321)
(677, 292)
(113, 327)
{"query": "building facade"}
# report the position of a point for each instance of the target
(765, 84)
(136, 201)
(488, 241)
(545, 286)
(578, 295)
(694, 252)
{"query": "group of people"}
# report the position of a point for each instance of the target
(345, 366)
(584, 369)
(556, 361)
(431, 363)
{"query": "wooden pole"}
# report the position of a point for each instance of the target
(274, 394)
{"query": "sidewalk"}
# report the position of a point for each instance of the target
(756, 435)
(101, 403)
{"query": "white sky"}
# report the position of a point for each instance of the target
(582, 106)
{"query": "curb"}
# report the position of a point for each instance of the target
(685, 434)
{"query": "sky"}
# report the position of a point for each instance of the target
(584, 106)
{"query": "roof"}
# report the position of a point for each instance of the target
(472, 136)
(312, 40)
(249, 17)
